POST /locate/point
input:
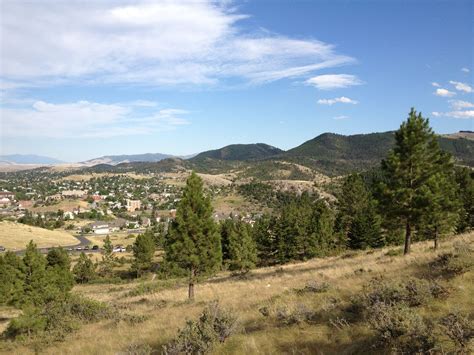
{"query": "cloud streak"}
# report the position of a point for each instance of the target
(333, 81)
(342, 99)
(444, 93)
(158, 43)
(84, 119)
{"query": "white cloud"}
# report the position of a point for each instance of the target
(468, 114)
(333, 81)
(342, 117)
(84, 119)
(459, 104)
(465, 70)
(148, 43)
(435, 84)
(342, 99)
(444, 93)
(461, 86)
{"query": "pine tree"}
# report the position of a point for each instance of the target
(59, 269)
(84, 270)
(12, 277)
(242, 249)
(408, 168)
(322, 227)
(465, 190)
(227, 228)
(265, 239)
(143, 252)
(107, 263)
(357, 217)
(36, 278)
(443, 204)
(193, 243)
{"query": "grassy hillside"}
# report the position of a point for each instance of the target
(14, 236)
(305, 308)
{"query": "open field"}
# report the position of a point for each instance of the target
(65, 205)
(167, 309)
(15, 236)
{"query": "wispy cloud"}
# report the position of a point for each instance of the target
(435, 84)
(465, 70)
(341, 117)
(84, 119)
(333, 81)
(461, 86)
(468, 114)
(156, 43)
(444, 93)
(342, 99)
(459, 104)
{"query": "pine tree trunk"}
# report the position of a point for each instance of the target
(407, 238)
(436, 239)
(191, 285)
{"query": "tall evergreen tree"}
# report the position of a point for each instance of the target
(36, 278)
(143, 251)
(357, 218)
(242, 249)
(193, 243)
(59, 269)
(107, 263)
(442, 202)
(263, 233)
(408, 168)
(12, 275)
(465, 180)
(227, 228)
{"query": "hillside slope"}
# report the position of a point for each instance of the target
(240, 152)
(336, 154)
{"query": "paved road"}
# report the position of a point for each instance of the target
(83, 241)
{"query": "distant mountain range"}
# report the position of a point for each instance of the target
(118, 159)
(28, 159)
(328, 153)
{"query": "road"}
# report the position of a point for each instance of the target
(83, 241)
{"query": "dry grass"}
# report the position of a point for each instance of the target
(15, 236)
(168, 309)
(65, 205)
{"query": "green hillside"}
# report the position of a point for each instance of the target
(240, 152)
(336, 154)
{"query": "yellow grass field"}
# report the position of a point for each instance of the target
(65, 205)
(15, 236)
(167, 309)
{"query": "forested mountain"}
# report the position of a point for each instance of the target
(240, 152)
(335, 154)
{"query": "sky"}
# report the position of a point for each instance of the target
(83, 79)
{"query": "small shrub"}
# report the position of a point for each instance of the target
(459, 328)
(313, 287)
(301, 313)
(401, 328)
(133, 319)
(137, 349)
(394, 252)
(215, 325)
(456, 263)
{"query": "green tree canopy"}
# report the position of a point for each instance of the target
(193, 242)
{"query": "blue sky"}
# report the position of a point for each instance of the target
(126, 77)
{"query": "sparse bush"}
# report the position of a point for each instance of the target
(301, 313)
(313, 287)
(215, 325)
(457, 263)
(401, 328)
(459, 328)
(137, 349)
(414, 292)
